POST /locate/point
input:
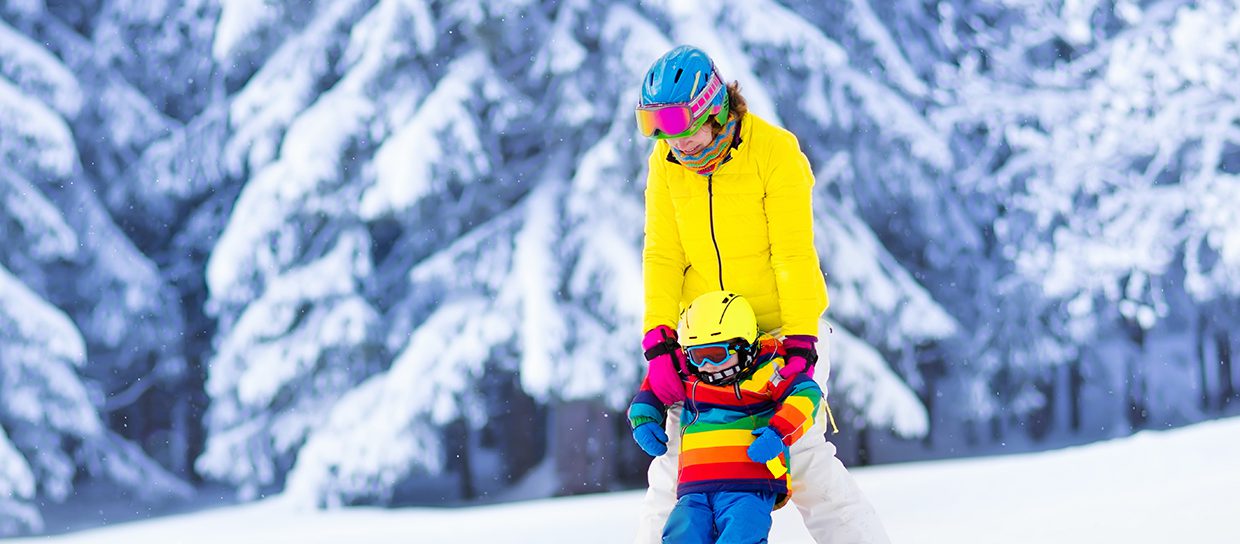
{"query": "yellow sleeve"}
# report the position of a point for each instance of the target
(790, 222)
(663, 256)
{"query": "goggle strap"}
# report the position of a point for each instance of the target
(698, 105)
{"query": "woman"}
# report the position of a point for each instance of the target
(728, 207)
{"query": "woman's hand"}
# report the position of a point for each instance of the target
(800, 354)
(667, 362)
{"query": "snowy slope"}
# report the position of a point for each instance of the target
(1155, 487)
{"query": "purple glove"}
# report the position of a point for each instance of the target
(800, 354)
(766, 446)
(667, 362)
(651, 437)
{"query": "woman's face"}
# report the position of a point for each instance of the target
(693, 143)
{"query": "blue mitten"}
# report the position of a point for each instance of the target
(768, 445)
(651, 438)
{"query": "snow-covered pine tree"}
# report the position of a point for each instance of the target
(278, 112)
(54, 388)
(44, 404)
(1111, 161)
(543, 296)
(285, 278)
(420, 225)
(128, 312)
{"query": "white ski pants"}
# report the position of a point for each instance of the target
(834, 510)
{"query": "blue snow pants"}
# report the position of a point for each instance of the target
(722, 517)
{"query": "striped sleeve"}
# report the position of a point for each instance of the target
(798, 402)
(646, 407)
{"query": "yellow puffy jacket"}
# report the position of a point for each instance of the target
(747, 228)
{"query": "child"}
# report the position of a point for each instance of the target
(740, 418)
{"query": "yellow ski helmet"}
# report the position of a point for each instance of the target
(714, 327)
(718, 316)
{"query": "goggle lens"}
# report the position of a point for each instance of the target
(712, 354)
(671, 120)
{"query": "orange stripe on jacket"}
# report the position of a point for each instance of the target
(724, 454)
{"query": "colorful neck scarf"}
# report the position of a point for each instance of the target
(709, 158)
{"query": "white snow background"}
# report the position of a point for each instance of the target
(1153, 487)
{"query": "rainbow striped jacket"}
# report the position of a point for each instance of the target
(717, 425)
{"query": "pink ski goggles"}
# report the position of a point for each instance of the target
(664, 121)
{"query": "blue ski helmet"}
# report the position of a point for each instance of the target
(683, 76)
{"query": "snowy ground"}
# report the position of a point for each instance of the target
(1155, 487)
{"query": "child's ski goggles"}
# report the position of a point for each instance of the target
(712, 354)
(664, 121)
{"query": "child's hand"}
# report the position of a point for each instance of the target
(651, 438)
(768, 445)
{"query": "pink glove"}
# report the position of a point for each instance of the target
(667, 362)
(799, 355)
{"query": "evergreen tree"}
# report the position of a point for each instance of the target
(355, 251)
(70, 285)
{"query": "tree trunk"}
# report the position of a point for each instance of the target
(1076, 383)
(1206, 357)
(1137, 412)
(584, 444)
(459, 436)
(1135, 390)
(178, 439)
(521, 432)
(863, 446)
(1227, 386)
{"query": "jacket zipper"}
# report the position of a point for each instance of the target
(710, 198)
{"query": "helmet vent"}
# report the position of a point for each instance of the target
(727, 303)
(676, 79)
